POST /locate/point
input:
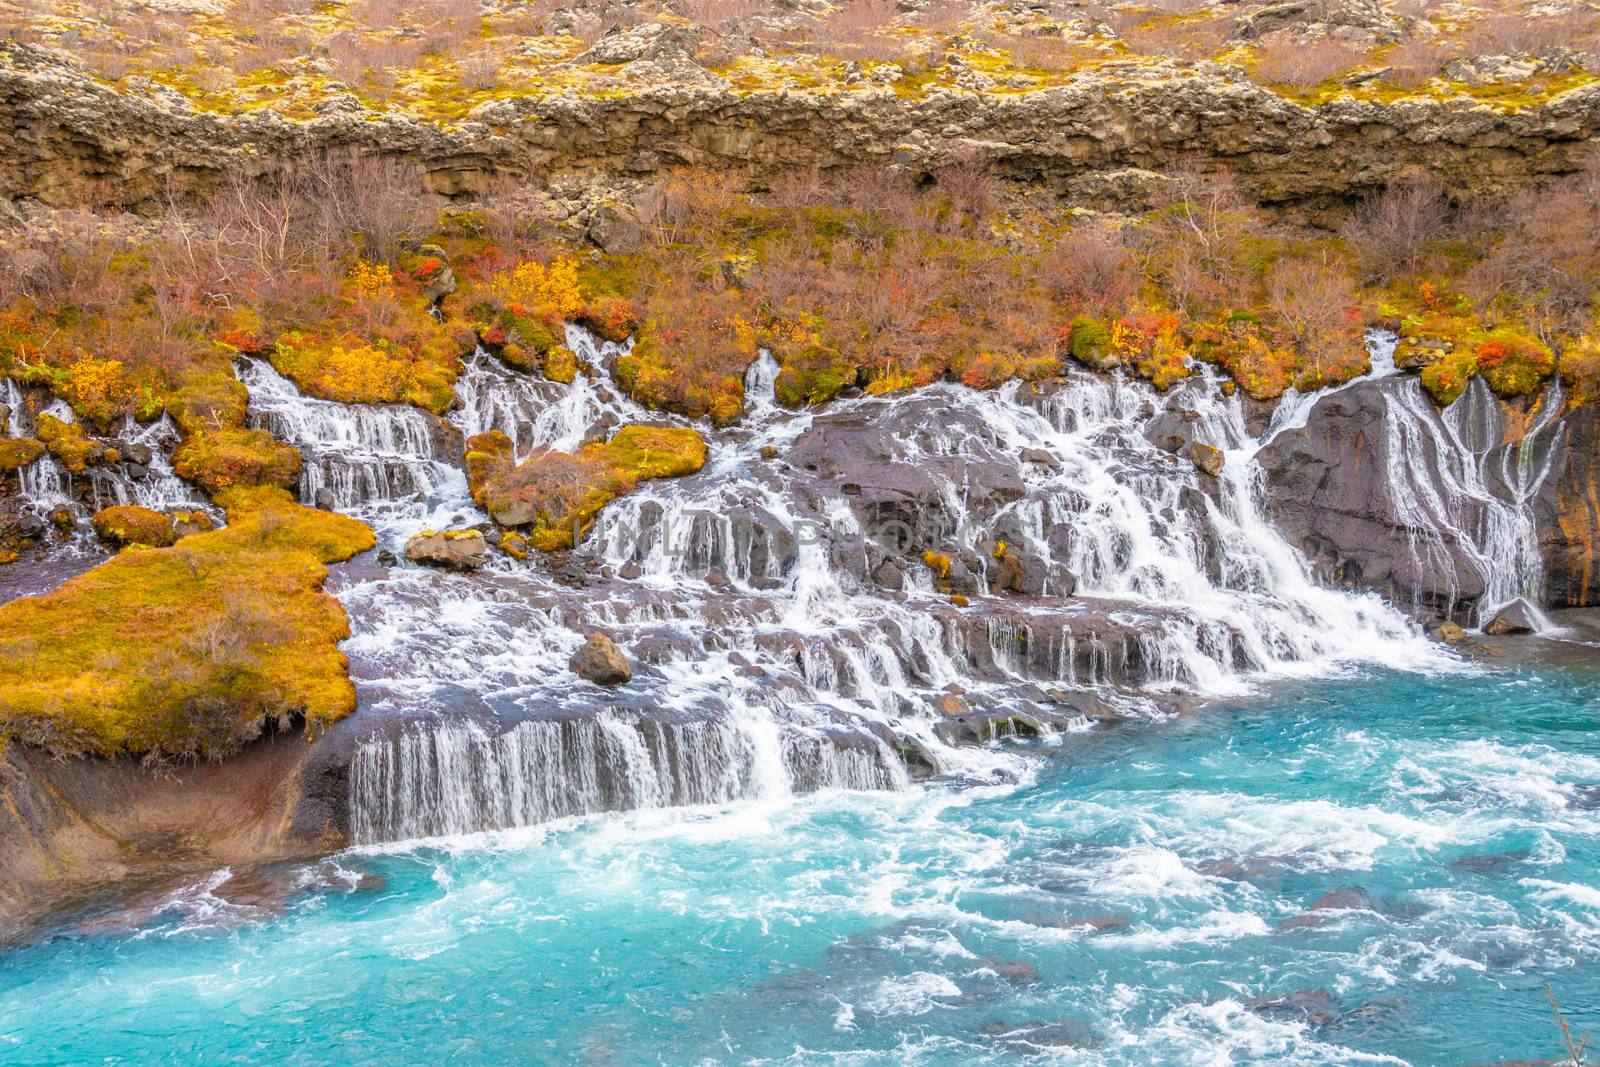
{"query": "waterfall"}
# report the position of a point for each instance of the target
(1445, 468)
(361, 458)
(785, 633)
(455, 777)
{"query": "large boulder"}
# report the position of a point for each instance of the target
(1516, 617)
(601, 661)
(458, 550)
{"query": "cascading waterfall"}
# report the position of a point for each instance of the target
(456, 777)
(360, 458)
(1443, 470)
(771, 658)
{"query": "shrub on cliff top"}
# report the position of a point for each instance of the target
(186, 650)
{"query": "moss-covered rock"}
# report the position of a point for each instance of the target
(1446, 378)
(554, 496)
(1514, 362)
(227, 458)
(811, 374)
(130, 524)
(18, 452)
(1089, 342)
(189, 649)
(70, 444)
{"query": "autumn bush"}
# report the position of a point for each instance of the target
(1287, 57)
(553, 496)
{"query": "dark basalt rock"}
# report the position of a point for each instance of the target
(1328, 491)
(1567, 511)
(1317, 1007)
(899, 502)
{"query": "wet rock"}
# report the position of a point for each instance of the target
(979, 727)
(1493, 863)
(1345, 898)
(1515, 618)
(951, 705)
(889, 576)
(132, 452)
(1206, 459)
(601, 662)
(1315, 1007)
(1450, 633)
(571, 573)
(629, 571)
(1041, 458)
(769, 452)
(325, 499)
(1585, 797)
(1328, 490)
(1064, 1033)
(386, 558)
(461, 550)
(1017, 971)
(718, 580)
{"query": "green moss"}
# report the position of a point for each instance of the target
(190, 649)
(68, 442)
(1446, 378)
(1089, 340)
(812, 375)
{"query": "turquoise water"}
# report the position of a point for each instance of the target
(1122, 904)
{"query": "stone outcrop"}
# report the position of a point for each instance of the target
(1102, 138)
(70, 827)
(457, 550)
(601, 661)
(1329, 489)
(1567, 510)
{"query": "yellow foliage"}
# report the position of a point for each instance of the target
(530, 288)
(370, 281)
(187, 649)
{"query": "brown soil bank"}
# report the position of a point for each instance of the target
(1102, 138)
(70, 827)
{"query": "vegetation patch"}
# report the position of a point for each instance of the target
(554, 496)
(230, 458)
(188, 650)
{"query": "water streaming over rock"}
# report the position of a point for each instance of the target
(786, 633)
(1465, 497)
(141, 475)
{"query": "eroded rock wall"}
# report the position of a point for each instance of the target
(68, 827)
(1100, 139)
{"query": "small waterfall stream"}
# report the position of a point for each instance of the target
(143, 475)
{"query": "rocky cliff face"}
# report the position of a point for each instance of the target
(1445, 513)
(69, 829)
(1103, 138)
(1568, 510)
